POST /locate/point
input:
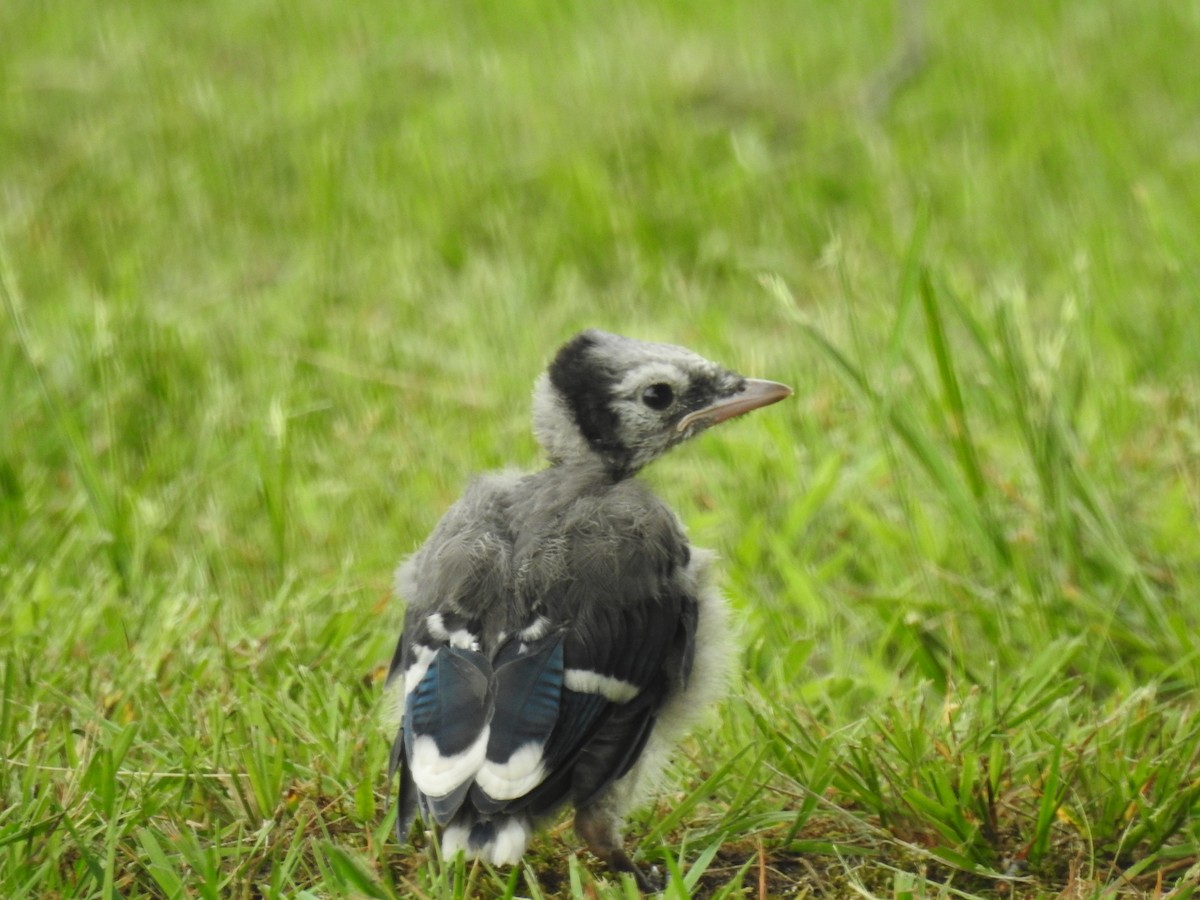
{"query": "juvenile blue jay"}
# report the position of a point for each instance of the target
(561, 633)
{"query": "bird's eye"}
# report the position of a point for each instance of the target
(658, 396)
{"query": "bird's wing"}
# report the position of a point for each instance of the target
(563, 705)
(448, 709)
(441, 659)
(619, 666)
(616, 607)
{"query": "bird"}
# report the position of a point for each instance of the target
(560, 633)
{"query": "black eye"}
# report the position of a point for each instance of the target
(658, 396)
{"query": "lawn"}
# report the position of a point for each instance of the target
(276, 280)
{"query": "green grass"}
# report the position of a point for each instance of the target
(276, 280)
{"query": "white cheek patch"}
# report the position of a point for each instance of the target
(585, 681)
(436, 775)
(523, 771)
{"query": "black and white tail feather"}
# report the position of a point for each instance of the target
(561, 634)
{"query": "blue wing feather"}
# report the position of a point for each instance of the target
(452, 701)
(528, 692)
(452, 705)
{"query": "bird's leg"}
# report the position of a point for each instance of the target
(598, 829)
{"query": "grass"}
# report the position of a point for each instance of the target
(276, 281)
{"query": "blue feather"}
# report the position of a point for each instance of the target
(451, 703)
(527, 696)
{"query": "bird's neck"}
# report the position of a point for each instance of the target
(592, 469)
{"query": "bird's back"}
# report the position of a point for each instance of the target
(548, 618)
(516, 544)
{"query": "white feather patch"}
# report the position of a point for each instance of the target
(523, 771)
(508, 846)
(536, 630)
(437, 775)
(437, 628)
(464, 640)
(586, 681)
(414, 673)
(460, 637)
(505, 848)
(454, 840)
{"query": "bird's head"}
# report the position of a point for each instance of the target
(625, 402)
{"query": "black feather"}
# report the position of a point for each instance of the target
(611, 752)
(689, 619)
(399, 657)
(443, 809)
(586, 384)
(406, 794)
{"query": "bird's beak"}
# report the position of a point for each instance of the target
(754, 394)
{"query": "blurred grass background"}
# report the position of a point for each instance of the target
(276, 280)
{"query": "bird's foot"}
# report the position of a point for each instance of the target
(648, 883)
